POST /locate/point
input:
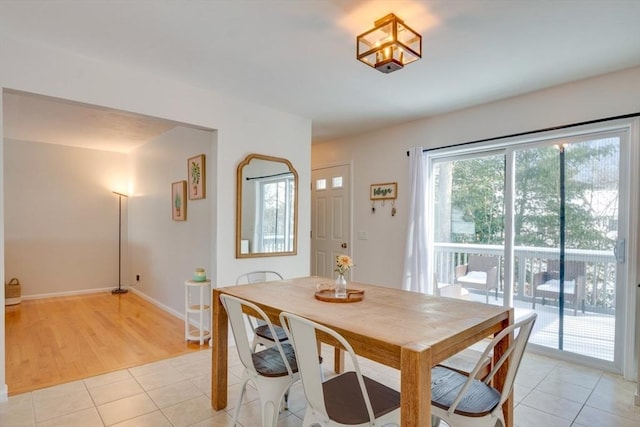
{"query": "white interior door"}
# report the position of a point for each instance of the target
(330, 218)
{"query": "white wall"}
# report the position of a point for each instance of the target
(288, 139)
(4, 391)
(242, 128)
(61, 217)
(162, 251)
(380, 156)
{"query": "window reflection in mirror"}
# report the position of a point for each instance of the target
(266, 219)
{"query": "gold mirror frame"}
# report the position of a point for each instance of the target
(240, 181)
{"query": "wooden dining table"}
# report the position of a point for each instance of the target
(408, 331)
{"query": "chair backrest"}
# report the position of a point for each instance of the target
(572, 269)
(258, 276)
(234, 308)
(436, 285)
(482, 262)
(302, 333)
(513, 353)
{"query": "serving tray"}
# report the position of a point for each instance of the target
(328, 295)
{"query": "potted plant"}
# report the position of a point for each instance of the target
(195, 176)
(177, 203)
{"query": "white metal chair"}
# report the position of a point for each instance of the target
(464, 401)
(465, 360)
(262, 334)
(348, 399)
(449, 290)
(273, 370)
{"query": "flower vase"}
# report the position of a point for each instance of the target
(341, 287)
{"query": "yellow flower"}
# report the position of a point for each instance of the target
(343, 263)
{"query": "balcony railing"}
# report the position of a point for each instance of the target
(600, 280)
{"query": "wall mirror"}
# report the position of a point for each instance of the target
(266, 207)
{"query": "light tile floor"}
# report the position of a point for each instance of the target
(176, 392)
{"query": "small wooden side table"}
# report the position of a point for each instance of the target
(199, 310)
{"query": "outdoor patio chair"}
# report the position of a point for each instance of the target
(262, 333)
(449, 290)
(464, 401)
(272, 370)
(348, 399)
(546, 284)
(480, 272)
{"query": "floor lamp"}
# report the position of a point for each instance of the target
(119, 289)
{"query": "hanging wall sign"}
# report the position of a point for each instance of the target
(386, 191)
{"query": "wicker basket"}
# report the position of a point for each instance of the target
(12, 292)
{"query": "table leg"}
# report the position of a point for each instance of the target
(186, 313)
(338, 360)
(501, 375)
(415, 386)
(219, 329)
(201, 305)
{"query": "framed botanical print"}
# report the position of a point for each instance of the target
(197, 177)
(179, 201)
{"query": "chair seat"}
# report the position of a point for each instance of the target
(465, 361)
(452, 291)
(554, 286)
(263, 331)
(474, 278)
(479, 400)
(269, 363)
(344, 403)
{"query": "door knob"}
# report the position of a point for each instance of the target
(344, 246)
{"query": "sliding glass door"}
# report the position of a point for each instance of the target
(469, 223)
(566, 216)
(544, 215)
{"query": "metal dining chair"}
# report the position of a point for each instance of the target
(262, 334)
(464, 361)
(348, 399)
(465, 401)
(273, 370)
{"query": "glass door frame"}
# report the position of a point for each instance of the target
(626, 355)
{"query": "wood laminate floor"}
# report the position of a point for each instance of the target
(57, 340)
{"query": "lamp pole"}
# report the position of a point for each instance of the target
(119, 289)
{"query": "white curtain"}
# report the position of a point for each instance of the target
(415, 263)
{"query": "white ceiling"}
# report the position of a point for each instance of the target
(36, 118)
(299, 56)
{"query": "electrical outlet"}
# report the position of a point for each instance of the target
(137, 277)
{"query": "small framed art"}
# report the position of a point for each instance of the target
(179, 201)
(197, 177)
(386, 191)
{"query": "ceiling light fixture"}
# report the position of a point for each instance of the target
(390, 45)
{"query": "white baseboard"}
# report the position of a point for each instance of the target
(98, 290)
(4, 393)
(66, 293)
(157, 303)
